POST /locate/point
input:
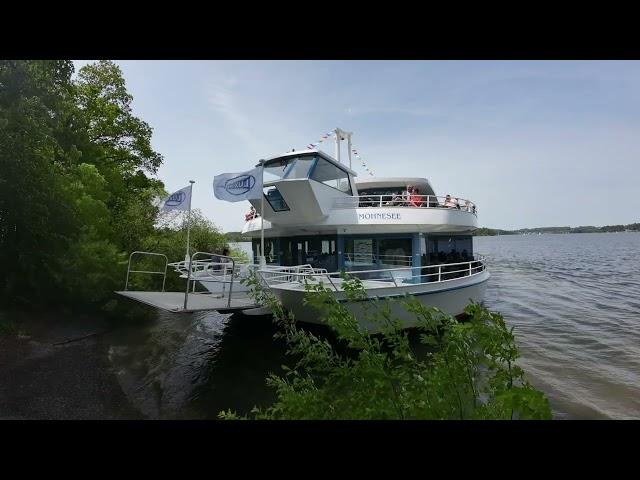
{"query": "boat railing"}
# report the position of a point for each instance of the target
(213, 269)
(287, 274)
(398, 276)
(412, 201)
(270, 259)
(214, 259)
(371, 258)
(149, 272)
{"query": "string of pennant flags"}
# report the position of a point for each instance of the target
(353, 150)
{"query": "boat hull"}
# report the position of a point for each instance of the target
(450, 296)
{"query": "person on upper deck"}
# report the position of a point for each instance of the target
(447, 202)
(415, 200)
(406, 195)
(451, 202)
(251, 214)
(396, 200)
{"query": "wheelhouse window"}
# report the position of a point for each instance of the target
(289, 167)
(330, 175)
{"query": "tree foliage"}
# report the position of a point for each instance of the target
(76, 184)
(457, 370)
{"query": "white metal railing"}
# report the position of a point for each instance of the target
(212, 270)
(150, 272)
(222, 261)
(406, 275)
(370, 258)
(411, 201)
(287, 274)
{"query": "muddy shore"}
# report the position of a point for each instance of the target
(59, 370)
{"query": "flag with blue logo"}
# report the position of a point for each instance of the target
(180, 200)
(235, 187)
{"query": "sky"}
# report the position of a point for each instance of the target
(532, 143)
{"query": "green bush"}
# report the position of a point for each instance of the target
(457, 370)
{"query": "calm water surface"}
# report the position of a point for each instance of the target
(574, 301)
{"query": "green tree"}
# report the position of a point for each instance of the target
(464, 370)
(37, 222)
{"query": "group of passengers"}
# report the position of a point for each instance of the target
(411, 198)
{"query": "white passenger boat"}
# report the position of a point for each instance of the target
(320, 220)
(393, 233)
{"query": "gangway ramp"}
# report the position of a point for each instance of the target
(218, 268)
(196, 302)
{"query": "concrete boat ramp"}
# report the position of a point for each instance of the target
(196, 302)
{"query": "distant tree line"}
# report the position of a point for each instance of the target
(77, 186)
(236, 237)
(632, 227)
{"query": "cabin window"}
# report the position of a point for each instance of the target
(319, 251)
(449, 249)
(270, 250)
(330, 175)
(395, 252)
(377, 252)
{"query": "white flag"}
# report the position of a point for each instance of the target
(179, 200)
(235, 187)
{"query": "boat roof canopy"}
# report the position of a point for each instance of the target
(396, 183)
(278, 159)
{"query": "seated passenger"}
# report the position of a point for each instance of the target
(448, 203)
(406, 195)
(396, 200)
(451, 202)
(467, 205)
(415, 200)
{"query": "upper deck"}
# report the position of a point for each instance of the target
(310, 191)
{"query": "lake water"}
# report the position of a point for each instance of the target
(574, 301)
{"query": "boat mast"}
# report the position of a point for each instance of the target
(342, 135)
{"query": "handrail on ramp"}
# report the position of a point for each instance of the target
(212, 256)
(164, 273)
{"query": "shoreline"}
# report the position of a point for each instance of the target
(60, 370)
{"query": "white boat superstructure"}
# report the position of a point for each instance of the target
(315, 220)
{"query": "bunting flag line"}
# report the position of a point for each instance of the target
(353, 150)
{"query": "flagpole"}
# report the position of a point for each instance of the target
(186, 258)
(263, 261)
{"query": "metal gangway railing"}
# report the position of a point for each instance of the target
(216, 268)
(150, 272)
(220, 268)
(406, 275)
(409, 201)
